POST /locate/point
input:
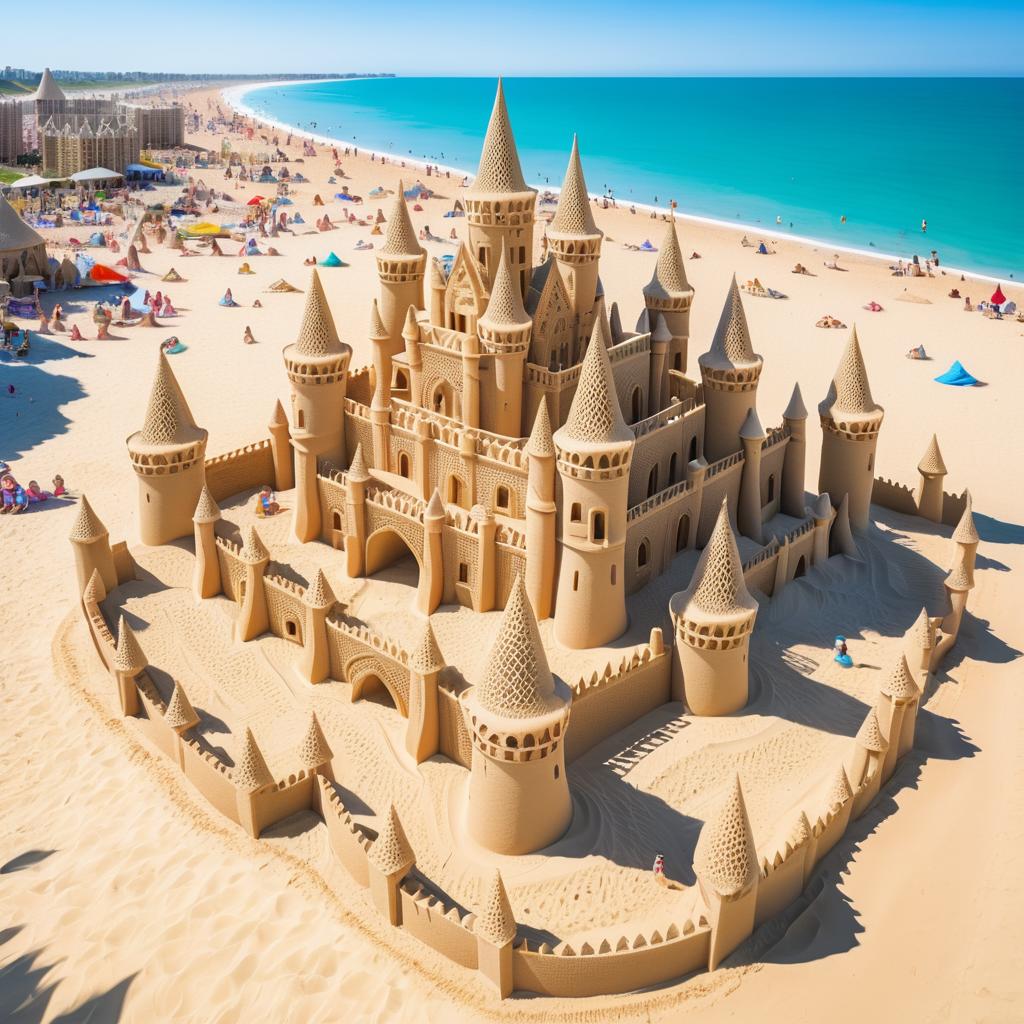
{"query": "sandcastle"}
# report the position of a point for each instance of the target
(561, 492)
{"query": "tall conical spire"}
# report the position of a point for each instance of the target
(378, 332)
(900, 683)
(207, 510)
(796, 410)
(850, 393)
(319, 593)
(48, 88)
(251, 772)
(180, 715)
(731, 344)
(400, 238)
(869, 735)
(128, 656)
(357, 467)
(931, 462)
(253, 548)
(314, 751)
(540, 441)
(840, 791)
(495, 922)
(669, 277)
(595, 416)
(317, 336)
(718, 588)
(168, 418)
(517, 682)
(966, 532)
(87, 524)
(725, 857)
(574, 216)
(499, 170)
(391, 853)
(504, 307)
(426, 656)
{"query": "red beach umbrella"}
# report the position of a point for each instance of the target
(998, 298)
(255, 201)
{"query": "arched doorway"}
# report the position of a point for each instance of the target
(683, 532)
(441, 399)
(636, 404)
(388, 550)
(801, 568)
(693, 448)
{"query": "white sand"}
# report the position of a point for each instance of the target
(148, 899)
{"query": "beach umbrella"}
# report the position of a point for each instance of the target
(998, 298)
(255, 201)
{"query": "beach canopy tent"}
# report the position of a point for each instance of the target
(998, 298)
(332, 260)
(31, 181)
(957, 377)
(93, 175)
(106, 275)
(144, 172)
(22, 249)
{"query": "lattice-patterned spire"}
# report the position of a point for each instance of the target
(850, 393)
(921, 632)
(574, 216)
(168, 419)
(495, 922)
(207, 510)
(718, 588)
(900, 683)
(400, 238)
(391, 853)
(595, 416)
(253, 548)
(128, 656)
(517, 682)
(426, 656)
(278, 418)
(725, 858)
(180, 715)
(87, 525)
(840, 791)
(251, 772)
(319, 593)
(499, 170)
(931, 463)
(669, 280)
(731, 346)
(94, 590)
(378, 332)
(505, 306)
(314, 751)
(318, 336)
(869, 735)
(540, 442)
(966, 532)
(961, 576)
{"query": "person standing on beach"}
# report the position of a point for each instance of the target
(924, 226)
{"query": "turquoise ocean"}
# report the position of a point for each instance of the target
(884, 153)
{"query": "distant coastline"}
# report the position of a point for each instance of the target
(238, 98)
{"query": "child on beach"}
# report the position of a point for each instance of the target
(659, 869)
(12, 496)
(265, 503)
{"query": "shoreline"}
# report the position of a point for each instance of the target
(233, 96)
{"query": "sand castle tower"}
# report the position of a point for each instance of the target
(281, 449)
(594, 448)
(965, 536)
(495, 930)
(918, 645)
(850, 421)
(794, 460)
(958, 584)
(713, 620)
(90, 542)
(504, 335)
(897, 713)
(669, 296)
(499, 204)
(575, 242)
(869, 747)
(168, 456)
(725, 863)
(129, 661)
(401, 265)
(541, 514)
(932, 472)
(380, 403)
(315, 663)
(730, 370)
(206, 578)
(517, 716)
(253, 615)
(317, 367)
(748, 511)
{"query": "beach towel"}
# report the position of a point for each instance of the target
(956, 376)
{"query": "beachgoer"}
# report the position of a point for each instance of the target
(266, 505)
(59, 490)
(12, 495)
(247, 337)
(659, 869)
(34, 493)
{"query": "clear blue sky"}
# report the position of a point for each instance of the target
(529, 37)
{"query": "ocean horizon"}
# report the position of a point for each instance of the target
(785, 156)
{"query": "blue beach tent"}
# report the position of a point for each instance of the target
(957, 377)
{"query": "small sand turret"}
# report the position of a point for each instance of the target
(932, 470)
(730, 370)
(850, 422)
(390, 859)
(206, 579)
(517, 716)
(90, 542)
(401, 266)
(713, 620)
(495, 929)
(794, 462)
(669, 295)
(541, 515)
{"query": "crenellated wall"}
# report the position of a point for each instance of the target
(244, 469)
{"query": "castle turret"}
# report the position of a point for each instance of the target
(850, 421)
(495, 930)
(411, 336)
(90, 542)
(541, 514)
(253, 617)
(499, 204)
(918, 645)
(251, 777)
(389, 860)
(438, 287)
(725, 863)
(748, 511)
(422, 734)
(594, 448)
(897, 712)
(168, 456)
(206, 578)
(314, 752)
(658, 381)
(380, 403)
(959, 584)
(517, 716)
(179, 714)
(575, 242)
(730, 370)
(504, 336)
(401, 265)
(795, 457)
(669, 294)
(965, 536)
(281, 449)
(869, 746)
(315, 663)
(713, 620)
(932, 472)
(129, 661)
(317, 366)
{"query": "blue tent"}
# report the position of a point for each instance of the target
(332, 260)
(957, 376)
(762, 250)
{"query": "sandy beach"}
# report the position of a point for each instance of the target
(123, 892)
